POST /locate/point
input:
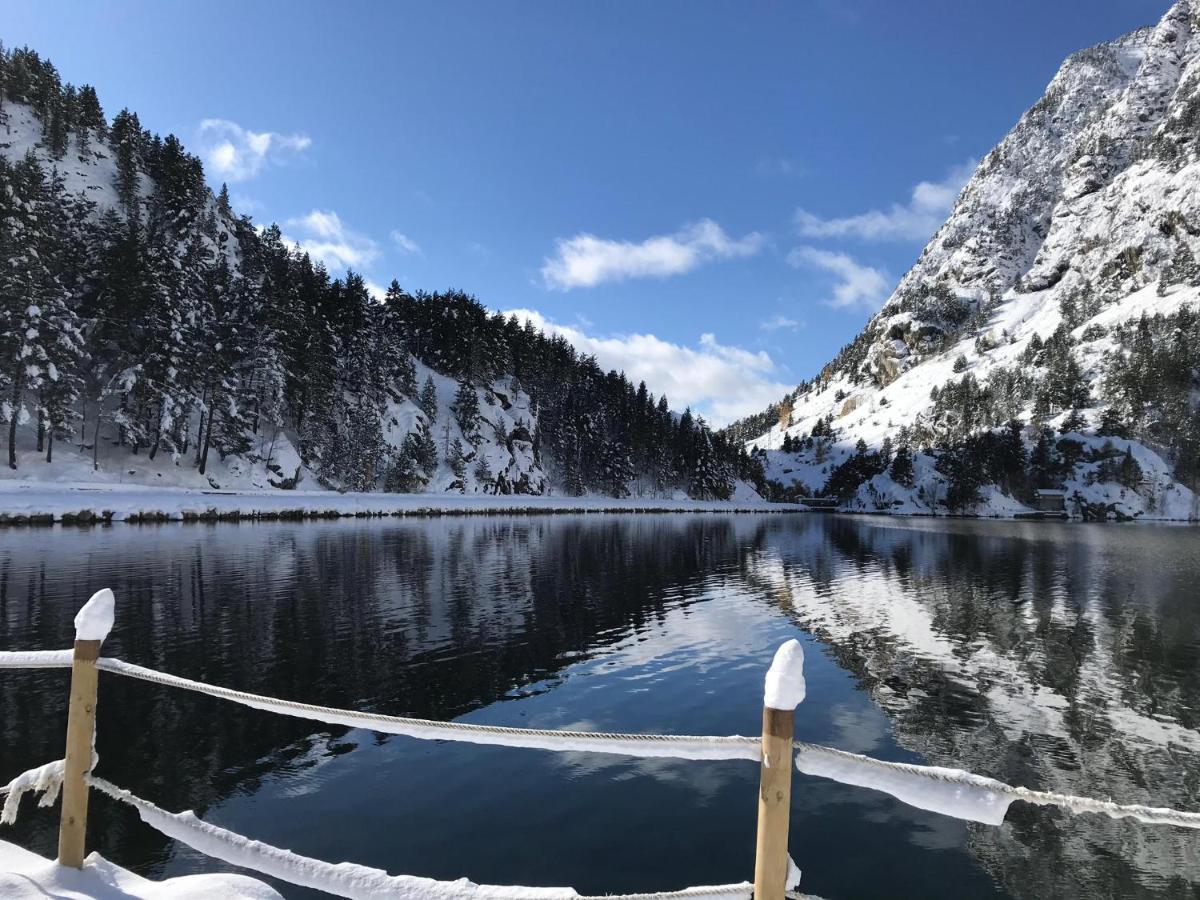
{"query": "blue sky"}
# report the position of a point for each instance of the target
(712, 196)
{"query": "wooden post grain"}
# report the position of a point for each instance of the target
(81, 725)
(774, 804)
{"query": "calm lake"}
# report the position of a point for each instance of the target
(1057, 656)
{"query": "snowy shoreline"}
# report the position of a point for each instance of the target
(23, 503)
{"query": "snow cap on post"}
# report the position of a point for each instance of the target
(94, 620)
(784, 688)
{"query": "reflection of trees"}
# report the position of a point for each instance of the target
(1061, 658)
(430, 618)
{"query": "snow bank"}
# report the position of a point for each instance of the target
(27, 876)
(95, 618)
(113, 503)
(951, 792)
(784, 688)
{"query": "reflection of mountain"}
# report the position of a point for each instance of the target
(430, 618)
(1065, 659)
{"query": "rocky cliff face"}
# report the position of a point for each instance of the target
(1084, 217)
(1088, 193)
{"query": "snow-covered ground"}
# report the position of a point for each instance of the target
(87, 502)
(27, 876)
(1159, 498)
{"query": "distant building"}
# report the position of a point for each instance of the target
(1051, 500)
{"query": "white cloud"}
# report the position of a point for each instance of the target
(405, 244)
(779, 323)
(924, 213)
(858, 286)
(234, 153)
(586, 260)
(720, 382)
(324, 236)
(375, 289)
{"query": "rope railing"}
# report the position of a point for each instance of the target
(902, 779)
(952, 792)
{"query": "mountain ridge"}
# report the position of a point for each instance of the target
(1088, 202)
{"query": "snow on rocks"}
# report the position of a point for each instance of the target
(784, 688)
(95, 618)
(27, 876)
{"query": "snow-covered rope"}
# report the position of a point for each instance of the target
(35, 659)
(964, 795)
(952, 792)
(692, 747)
(355, 881)
(45, 779)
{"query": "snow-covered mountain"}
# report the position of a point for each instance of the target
(151, 335)
(1026, 304)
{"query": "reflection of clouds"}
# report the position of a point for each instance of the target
(704, 779)
(717, 628)
(859, 730)
(939, 833)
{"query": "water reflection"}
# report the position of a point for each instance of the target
(1063, 658)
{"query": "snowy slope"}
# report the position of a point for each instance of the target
(504, 436)
(1075, 216)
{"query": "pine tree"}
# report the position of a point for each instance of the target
(902, 467)
(1111, 424)
(961, 467)
(403, 476)
(427, 401)
(466, 410)
(483, 474)
(1043, 462)
(40, 339)
(457, 461)
(126, 140)
(1074, 422)
(4, 66)
(1129, 472)
(710, 478)
(89, 118)
(1011, 459)
(424, 451)
(1181, 270)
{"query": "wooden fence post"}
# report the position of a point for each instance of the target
(784, 691)
(92, 625)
